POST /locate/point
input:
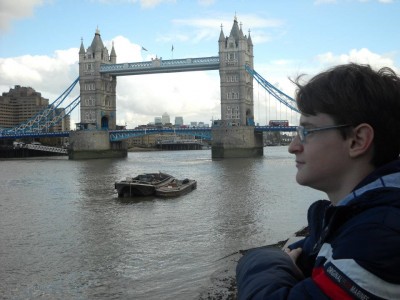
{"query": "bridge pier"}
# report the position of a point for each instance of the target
(89, 144)
(236, 141)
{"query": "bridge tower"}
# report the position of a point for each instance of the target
(98, 91)
(235, 136)
(98, 105)
(236, 50)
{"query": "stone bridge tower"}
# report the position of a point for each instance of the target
(236, 50)
(98, 91)
(98, 105)
(235, 135)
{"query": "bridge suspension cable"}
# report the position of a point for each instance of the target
(272, 90)
(47, 118)
(61, 114)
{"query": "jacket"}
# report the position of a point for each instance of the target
(352, 250)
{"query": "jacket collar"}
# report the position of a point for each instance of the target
(387, 176)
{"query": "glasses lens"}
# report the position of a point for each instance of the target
(300, 133)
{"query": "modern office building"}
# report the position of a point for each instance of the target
(165, 119)
(157, 121)
(178, 121)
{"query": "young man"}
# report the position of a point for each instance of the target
(348, 146)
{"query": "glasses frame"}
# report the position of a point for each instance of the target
(302, 132)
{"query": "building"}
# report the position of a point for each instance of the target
(19, 105)
(22, 103)
(157, 121)
(178, 121)
(65, 124)
(165, 119)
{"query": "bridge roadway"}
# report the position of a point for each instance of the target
(118, 135)
(159, 65)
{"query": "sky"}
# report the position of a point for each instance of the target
(40, 40)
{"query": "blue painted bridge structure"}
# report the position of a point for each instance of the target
(200, 132)
(119, 135)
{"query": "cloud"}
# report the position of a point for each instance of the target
(361, 56)
(153, 3)
(143, 3)
(206, 2)
(44, 73)
(11, 10)
(318, 2)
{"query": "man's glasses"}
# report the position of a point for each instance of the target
(303, 132)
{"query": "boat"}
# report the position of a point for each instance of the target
(176, 188)
(143, 184)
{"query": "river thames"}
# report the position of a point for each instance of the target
(64, 233)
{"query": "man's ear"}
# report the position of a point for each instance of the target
(361, 140)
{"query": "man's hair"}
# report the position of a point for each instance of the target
(354, 94)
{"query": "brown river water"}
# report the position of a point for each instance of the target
(64, 233)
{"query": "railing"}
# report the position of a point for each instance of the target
(276, 128)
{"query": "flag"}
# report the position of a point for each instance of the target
(144, 49)
(172, 49)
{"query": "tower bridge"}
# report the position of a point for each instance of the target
(235, 136)
(98, 72)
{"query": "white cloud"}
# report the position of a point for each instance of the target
(154, 3)
(206, 2)
(45, 74)
(143, 3)
(126, 51)
(11, 10)
(361, 56)
(317, 2)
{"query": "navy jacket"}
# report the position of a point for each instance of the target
(352, 250)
